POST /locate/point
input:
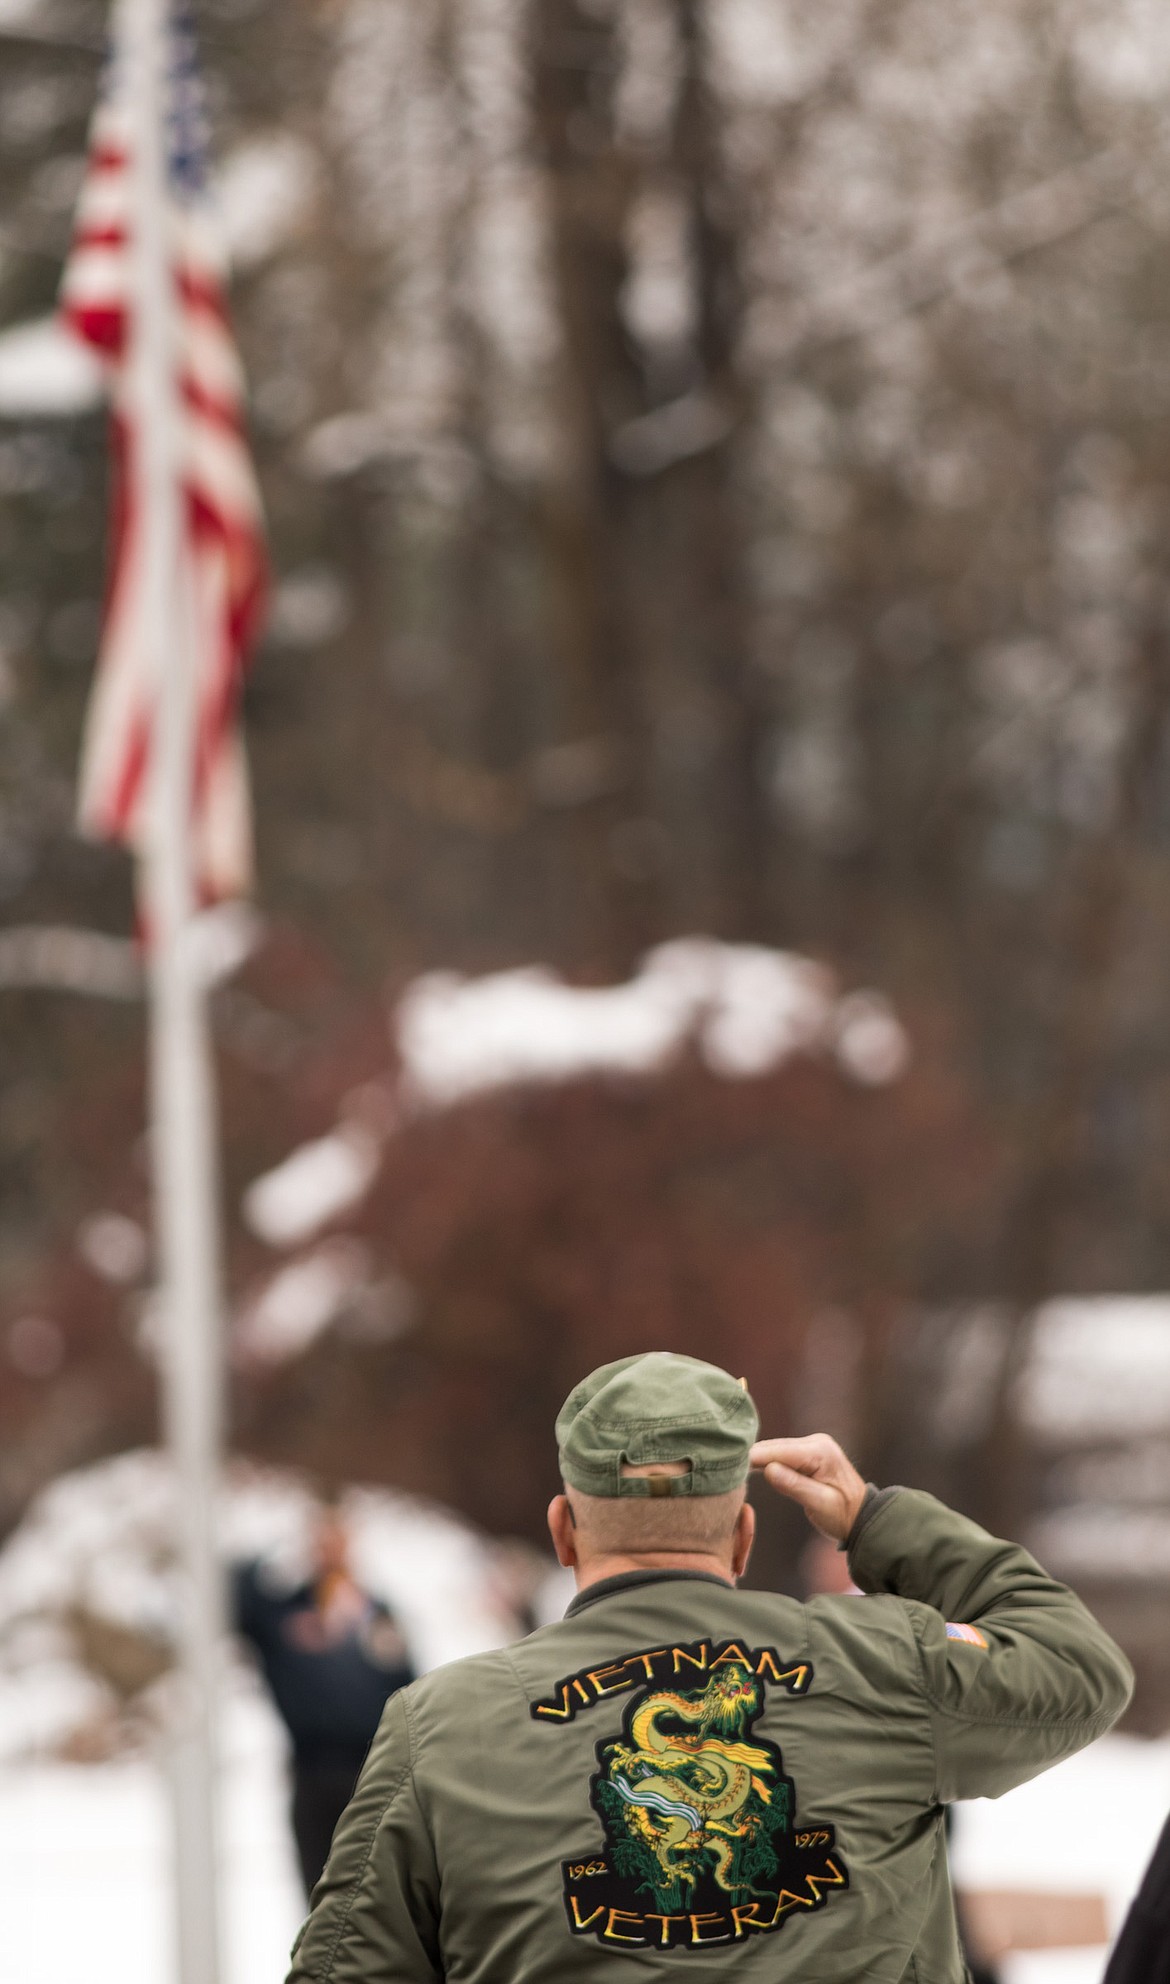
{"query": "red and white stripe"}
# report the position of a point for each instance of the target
(223, 566)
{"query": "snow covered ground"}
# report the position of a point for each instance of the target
(84, 1846)
(84, 1850)
(1087, 1827)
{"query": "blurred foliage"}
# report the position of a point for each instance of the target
(718, 465)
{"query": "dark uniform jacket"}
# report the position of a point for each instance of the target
(330, 1693)
(684, 1777)
(1142, 1955)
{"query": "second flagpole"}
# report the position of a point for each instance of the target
(183, 1134)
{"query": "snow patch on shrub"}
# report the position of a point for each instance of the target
(747, 1008)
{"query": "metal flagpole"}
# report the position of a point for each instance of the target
(182, 1098)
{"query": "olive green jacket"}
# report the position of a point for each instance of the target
(682, 1774)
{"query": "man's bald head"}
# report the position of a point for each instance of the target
(600, 1534)
(654, 1457)
(677, 1524)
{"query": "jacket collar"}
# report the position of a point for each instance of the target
(631, 1580)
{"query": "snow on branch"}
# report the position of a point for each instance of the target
(746, 1007)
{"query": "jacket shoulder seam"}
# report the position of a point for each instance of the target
(514, 1671)
(1019, 1721)
(920, 1661)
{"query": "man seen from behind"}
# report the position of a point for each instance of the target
(683, 1775)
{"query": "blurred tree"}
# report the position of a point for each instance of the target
(718, 461)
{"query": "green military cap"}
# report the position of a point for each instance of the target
(657, 1407)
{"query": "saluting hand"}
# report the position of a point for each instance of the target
(817, 1474)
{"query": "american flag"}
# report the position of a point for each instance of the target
(222, 580)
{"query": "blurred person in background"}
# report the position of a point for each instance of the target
(332, 1656)
(1141, 1954)
(824, 1570)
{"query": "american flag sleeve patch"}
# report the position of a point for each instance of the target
(970, 1634)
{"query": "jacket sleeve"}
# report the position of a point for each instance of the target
(374, 1915)
(1035, 1680)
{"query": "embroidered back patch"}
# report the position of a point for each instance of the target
(702, 1844)
(956, 1630)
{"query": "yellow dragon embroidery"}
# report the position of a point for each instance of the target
(685, 1791)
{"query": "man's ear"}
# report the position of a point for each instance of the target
(743, 1536)
(563, 1531)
